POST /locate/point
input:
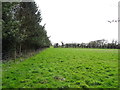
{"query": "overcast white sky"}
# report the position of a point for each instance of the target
(79, 20)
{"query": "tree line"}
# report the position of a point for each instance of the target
(92, 44)
(21, 29)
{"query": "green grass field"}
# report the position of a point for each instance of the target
(64, 68)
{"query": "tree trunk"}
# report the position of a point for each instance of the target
(15, 54)
(20, 50)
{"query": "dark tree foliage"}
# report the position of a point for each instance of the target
(92, 44)
(56, 45)
(22, 31)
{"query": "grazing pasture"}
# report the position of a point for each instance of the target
(64, 68)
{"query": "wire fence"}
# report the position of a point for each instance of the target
(12, 54)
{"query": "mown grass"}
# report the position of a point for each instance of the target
(64, 68)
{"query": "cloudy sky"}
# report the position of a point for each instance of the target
(79, 20)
